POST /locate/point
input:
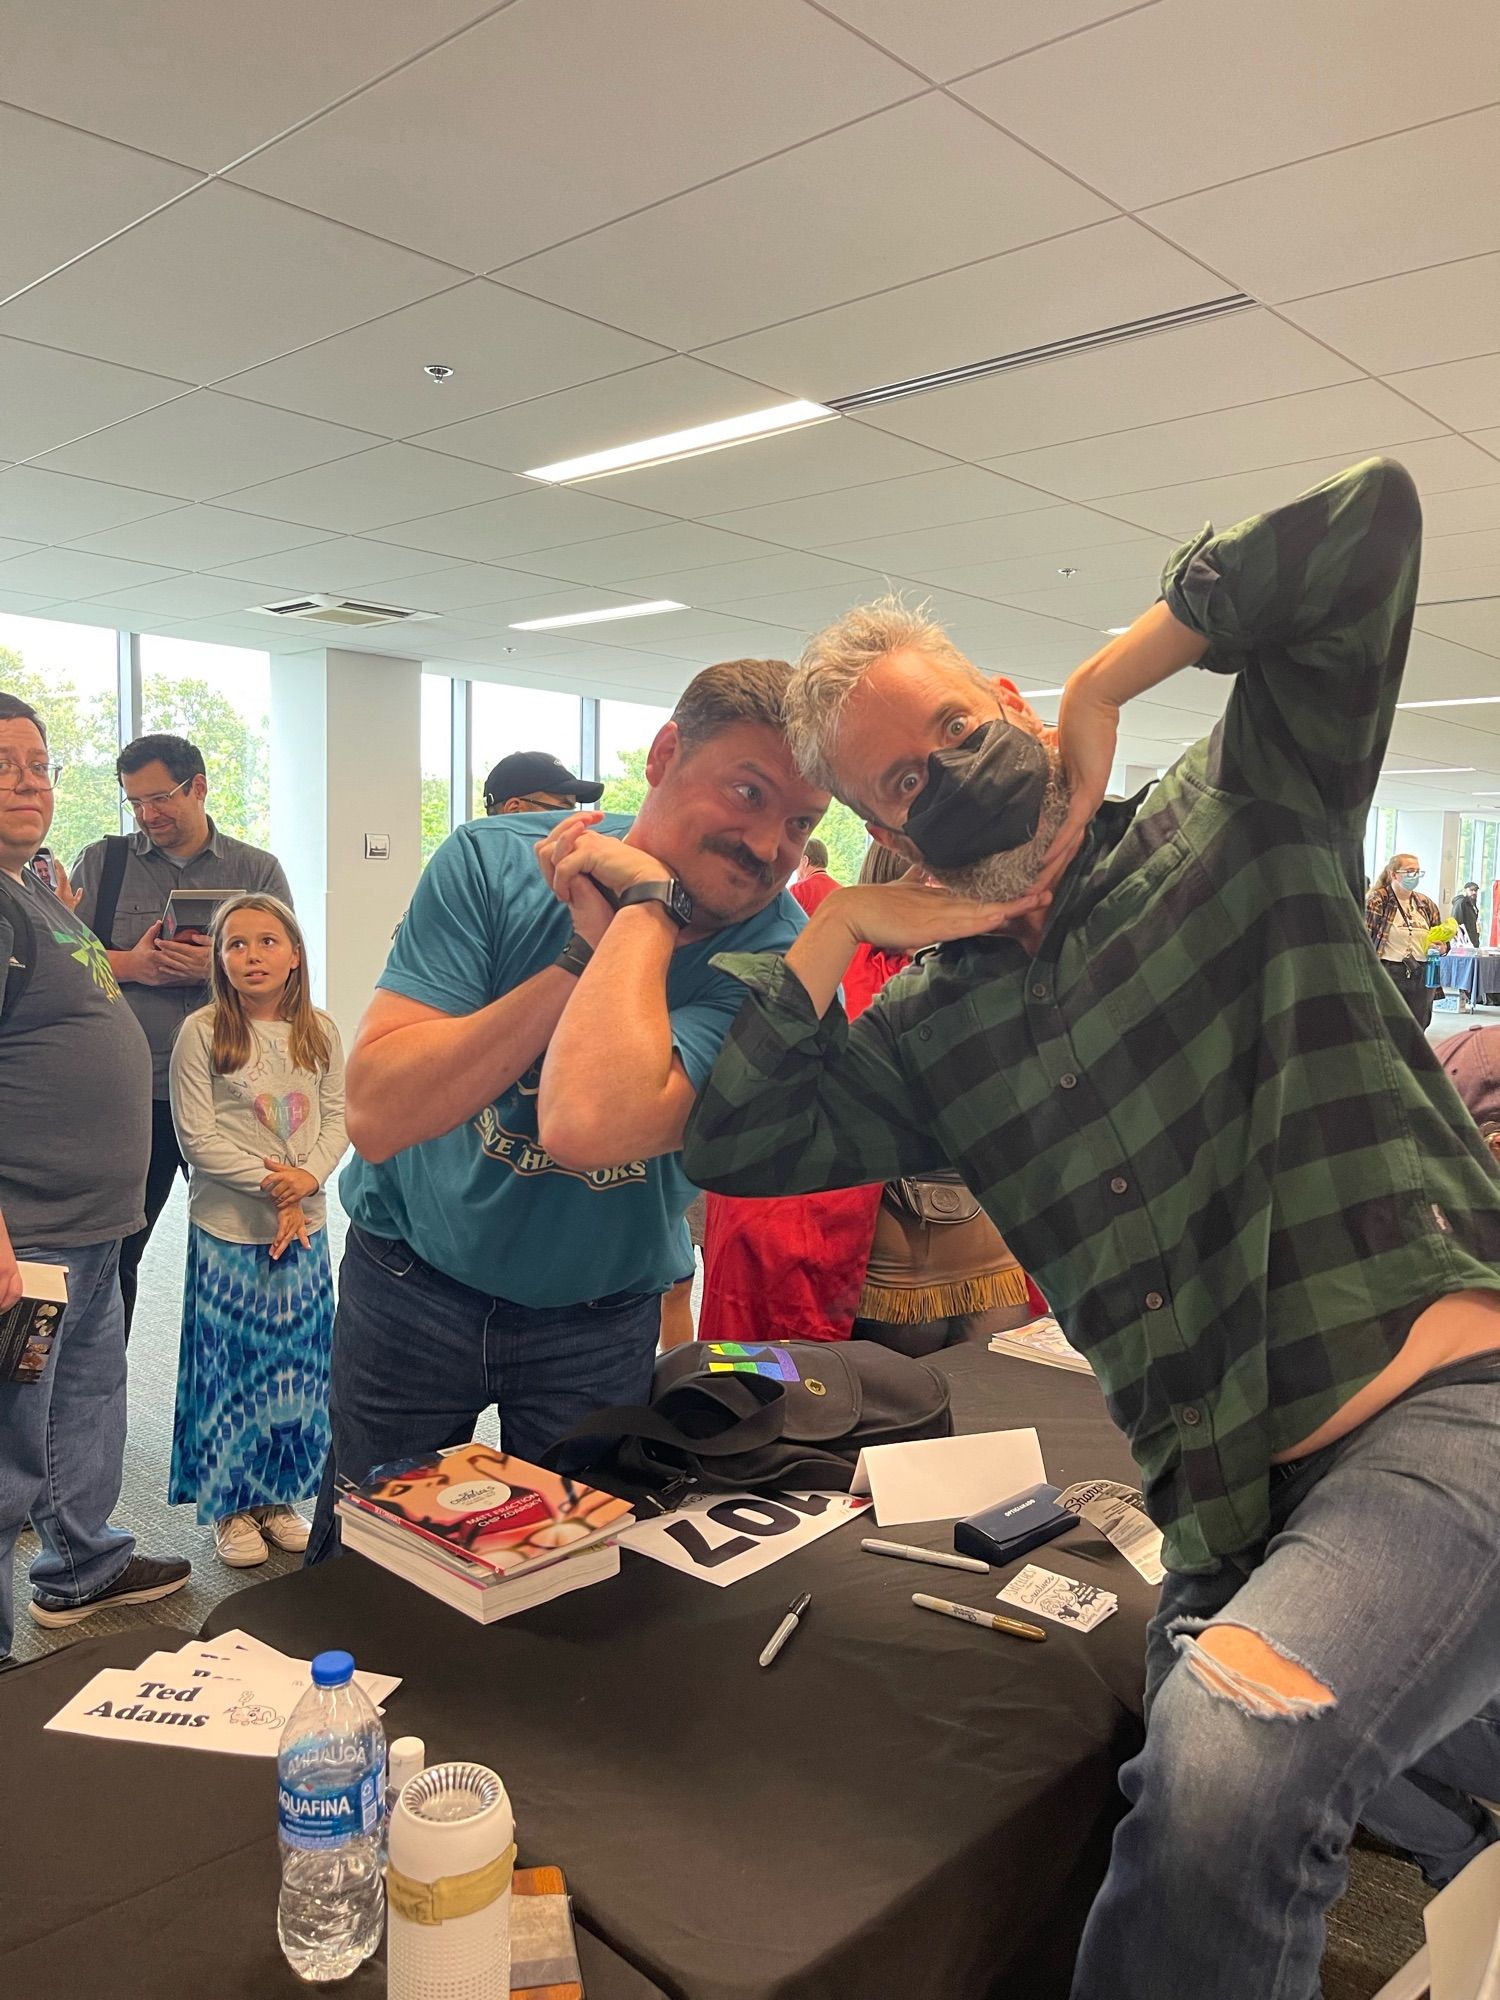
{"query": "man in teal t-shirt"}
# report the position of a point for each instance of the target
(517, 1201)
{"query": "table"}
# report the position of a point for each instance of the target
(902, 1805)
(1475, 974)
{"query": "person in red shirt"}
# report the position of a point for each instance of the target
(812, 881)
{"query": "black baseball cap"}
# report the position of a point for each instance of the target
(528, 771)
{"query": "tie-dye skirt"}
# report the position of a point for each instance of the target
(251, 1428)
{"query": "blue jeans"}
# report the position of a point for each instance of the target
(417, 1356)
(62, 1443)
(1381, 1578)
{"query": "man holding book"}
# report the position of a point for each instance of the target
(122, 884)
(75, 1082)
(518, 1088)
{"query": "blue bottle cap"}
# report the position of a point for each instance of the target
(333, 1670)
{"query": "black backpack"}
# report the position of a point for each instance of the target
(731, 1417)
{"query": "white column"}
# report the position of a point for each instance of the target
(346, 732)
(1421, 833)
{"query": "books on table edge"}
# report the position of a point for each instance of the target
(480, 1594)
(29, 1327)
(1044, 1341)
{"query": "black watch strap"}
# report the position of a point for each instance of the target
(575, 954)
(673, 898)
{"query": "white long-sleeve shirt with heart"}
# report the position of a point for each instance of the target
(228, 1126)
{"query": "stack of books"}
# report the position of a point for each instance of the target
(484, 1531)
(1042, 1340)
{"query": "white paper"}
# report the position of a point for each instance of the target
(939, 1479)
(232, 1694)
(1462, 1941)
(1119, 1513)
(1062, 1599)
(732, 1535)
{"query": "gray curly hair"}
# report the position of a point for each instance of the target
(833, 664)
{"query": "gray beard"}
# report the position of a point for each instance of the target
(999, 878)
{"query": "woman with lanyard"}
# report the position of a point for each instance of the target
(1399, 920)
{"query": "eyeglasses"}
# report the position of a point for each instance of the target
(152, 799)
(39, 770)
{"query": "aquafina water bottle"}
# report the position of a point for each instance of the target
(330, 1791)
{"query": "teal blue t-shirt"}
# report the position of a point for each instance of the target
(484, 1203)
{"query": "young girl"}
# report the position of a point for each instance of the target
(258, 1102)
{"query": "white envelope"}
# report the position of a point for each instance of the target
(939, 1479)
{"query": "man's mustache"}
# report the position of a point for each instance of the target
(747, 863)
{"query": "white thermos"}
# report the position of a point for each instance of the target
(452, 1850)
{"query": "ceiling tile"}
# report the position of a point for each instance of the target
(1195, 56)
(728, 583)
(721, 260)
(1419, 317)
(260, 278)
(1476, 624)
(1442, 554)
(206, 444)
(618, 558)
(1418, 198)
(622, 107)
(56, 508)
(669, 395)
(1350, 418)
(886, 507)
(264, 635)
(1438, 669)
(821, 459)
(190, 597)
(374, 488)
(115, 617)
(944, 38)
(10, 547)
(48, 397)
(198, 538)
(1456, 513)
(1135, 561)
(536, 519)
(1047, 530)
(1242, 359)
(253, 71)
(1095, 277)
(731, 639)
(57, 573)
(1465, 394)
(342, 563)
(78, 190)
(472, 585)
(502, 347)
(24, 603)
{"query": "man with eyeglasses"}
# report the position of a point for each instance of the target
(535, 781)
(122, 884)
(75, 1097)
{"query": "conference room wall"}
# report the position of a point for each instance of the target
(1433, 838)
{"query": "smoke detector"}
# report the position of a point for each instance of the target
(317, 609)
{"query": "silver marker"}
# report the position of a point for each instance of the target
(786, 1628)
(914, 1555)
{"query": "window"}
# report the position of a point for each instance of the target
(437, 761)
(626, 732)
(1479, 856)
(507, 719)
(69, 675)
(1380, 839)
(218, 697)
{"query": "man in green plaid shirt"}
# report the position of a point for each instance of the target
(1158, 1045)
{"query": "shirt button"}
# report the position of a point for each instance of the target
(1119, 1185)
(1039, 991)
(1154, 1301)
(924, 1034)
(1192, 1415)
(1068, 1080)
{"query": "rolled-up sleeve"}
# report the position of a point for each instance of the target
(796, 1104)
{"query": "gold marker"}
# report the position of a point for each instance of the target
(972, 1617)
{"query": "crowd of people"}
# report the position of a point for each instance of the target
(1169, 1045)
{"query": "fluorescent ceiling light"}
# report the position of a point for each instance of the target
(1115, 631)
(1038, 694)
(1430, 771)
(600, 617)
(1454, 701)
(684, 444)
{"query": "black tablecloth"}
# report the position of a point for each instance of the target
(903, 1804)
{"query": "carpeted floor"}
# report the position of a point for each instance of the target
(1375, 1929)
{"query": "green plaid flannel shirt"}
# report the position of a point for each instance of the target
(1202, 1115)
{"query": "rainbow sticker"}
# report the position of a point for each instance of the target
(732, 1357)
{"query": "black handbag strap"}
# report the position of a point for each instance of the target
(116, 854)
(759, 1425)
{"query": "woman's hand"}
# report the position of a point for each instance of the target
(291, 1227)
(287, 1185)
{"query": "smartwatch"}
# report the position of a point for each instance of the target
(574, 955)
(673, 898)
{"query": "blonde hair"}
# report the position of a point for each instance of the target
(883, 864)
(836, 660)
(232, 1042)
(1387, 874)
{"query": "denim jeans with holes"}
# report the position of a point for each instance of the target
(417, 1356)
(1381, 1579)
(62, 1443)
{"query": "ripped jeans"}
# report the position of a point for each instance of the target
(1381, 1579)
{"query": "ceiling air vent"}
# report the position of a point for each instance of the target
(1051, 350)
(319, 610)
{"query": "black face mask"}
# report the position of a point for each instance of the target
(982, 797)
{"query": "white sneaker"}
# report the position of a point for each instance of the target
(238, 1542)
(284, 1528)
